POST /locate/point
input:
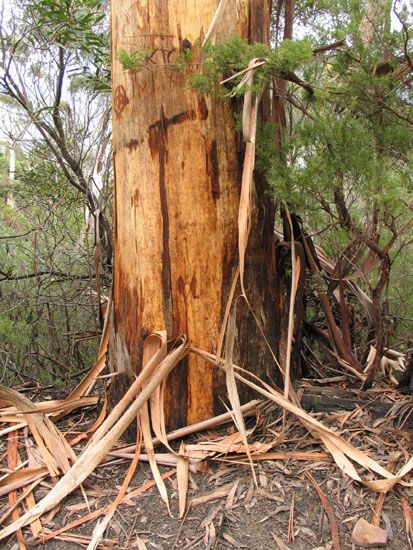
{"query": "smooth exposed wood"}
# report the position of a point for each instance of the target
(177, 175)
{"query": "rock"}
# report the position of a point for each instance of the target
(368, 535)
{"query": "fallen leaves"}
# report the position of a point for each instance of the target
(227, 446)
(109, 432)
(216, 494)
(342, 452)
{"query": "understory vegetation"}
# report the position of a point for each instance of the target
(337, 155)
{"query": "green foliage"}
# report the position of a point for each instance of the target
(134, 61)
(290, 55)
(80, 26)
(41, 316)
(229, 57)
(73, 23)
(48, 320)
(225, 59)
(266, 151)
(204, 84)
(348, 131)
(14, 334)
(184, 59)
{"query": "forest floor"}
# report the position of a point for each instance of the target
(226, 509)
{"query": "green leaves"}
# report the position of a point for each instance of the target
(223, 60)
(134, 61)
(230, 57)
(79, 26)
(291, 55)
(69, 20)
(15, 334)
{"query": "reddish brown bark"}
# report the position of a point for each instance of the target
(177, 169)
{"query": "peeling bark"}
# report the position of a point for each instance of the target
(177, 177)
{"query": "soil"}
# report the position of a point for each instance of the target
(241, 525)
(283, 501)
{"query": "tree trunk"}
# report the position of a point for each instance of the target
(177, 179)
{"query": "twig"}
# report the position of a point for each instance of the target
(181, 525)
(380, 499)
(291, 521)
(329, 511)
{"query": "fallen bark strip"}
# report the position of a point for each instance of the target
(329, 511)
(101, 526)
(20, 478)
(19, 500)
(341, 450)
(165, 459)
(249, 409)
(12, 461)
(12, 428)
(44, 432)
(408, 518)
(47, 407)
(94, 453)
(380, 499)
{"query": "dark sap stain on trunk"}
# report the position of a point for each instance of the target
(120, 100)
(179, 118)
(193, 287)
(212, 167)
(166, 259)
(162, 125)
(153, 140)
(135, 198)
(176, 398)
(176, 402)
(158, 146)
(133, 144)
(181, 286)
(177, 387)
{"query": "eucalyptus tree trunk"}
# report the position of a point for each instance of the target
(177, 179)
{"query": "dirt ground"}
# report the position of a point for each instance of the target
(220, 524)
(284, 503)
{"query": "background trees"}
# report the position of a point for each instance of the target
(348, 160)
(56, 237)
(337, 152)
